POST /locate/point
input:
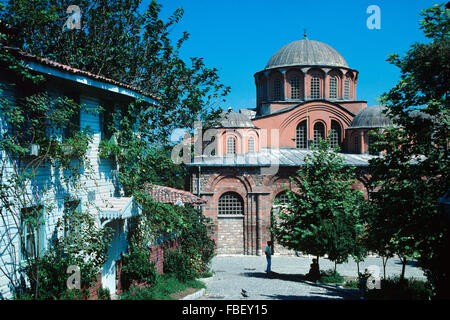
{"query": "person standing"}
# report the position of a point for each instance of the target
(268, 252)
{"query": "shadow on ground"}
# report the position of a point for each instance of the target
(332, 290)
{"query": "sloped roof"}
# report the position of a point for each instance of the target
(72, 70)
(233, 119)
(283, 157)
(171, 195)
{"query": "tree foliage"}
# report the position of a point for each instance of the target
(121, 41)
(414, 171)
(322, 216)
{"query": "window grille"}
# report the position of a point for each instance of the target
(231, 203)
(315, 88)
(335, 138)
(251, 144)
(231, 145)
(277, 89)
(319, 132)
(295, 88)
(346, 88)
(282, 198)
(356, 145)
(301, 135)
(333, 86)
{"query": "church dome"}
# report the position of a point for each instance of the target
(306, 52)
(370, 118)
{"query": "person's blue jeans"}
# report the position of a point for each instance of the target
(269, 262)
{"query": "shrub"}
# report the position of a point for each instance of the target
(139, 290)
(196, 241)
(53, 277)
(103, 294)
(330, 276)
(137, 266)
(179, 265)
(76, 294)
(395, 289)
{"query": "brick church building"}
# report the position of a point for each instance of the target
(305, 92)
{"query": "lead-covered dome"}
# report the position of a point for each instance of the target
(233, 119)
(306, 52)
(370, 118)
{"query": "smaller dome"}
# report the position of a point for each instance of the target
(233, 119)
(371, 117)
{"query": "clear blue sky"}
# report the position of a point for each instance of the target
(239, 36)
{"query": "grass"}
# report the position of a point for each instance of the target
(167, 287)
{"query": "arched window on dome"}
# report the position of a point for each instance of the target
(315, 87)
(347, 88)
(356, 145)
(231, 145)
(231, 203)
(264, 90)
(295, 88)
(319, 132)
(335, 136)
(251, 144)
(277, 89)
(301, 135)
(333, 88)
(260, 90)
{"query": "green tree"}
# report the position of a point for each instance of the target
(129, 43)
(414, 171)
(322, 216)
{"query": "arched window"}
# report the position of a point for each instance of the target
(356, 144)
(372, 150)
(260, 90)
(231, 145)
(335, 137)
(301, 135)
(315, 88)
(319, 132)
(277, 89)
(333, 88)
(251, 144)
(281, 198)
(346, 88)
(295, 88)
(264, 90)
(231, 203)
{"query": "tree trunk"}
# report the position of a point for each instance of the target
(335, 264)
(357, 267)
(402, 276)
(384, 260)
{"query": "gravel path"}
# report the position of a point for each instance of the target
(233, 273)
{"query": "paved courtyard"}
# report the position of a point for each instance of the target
(233, 273)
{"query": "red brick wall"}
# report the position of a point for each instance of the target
(250, 234)
(157, 253)
(230, 238)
